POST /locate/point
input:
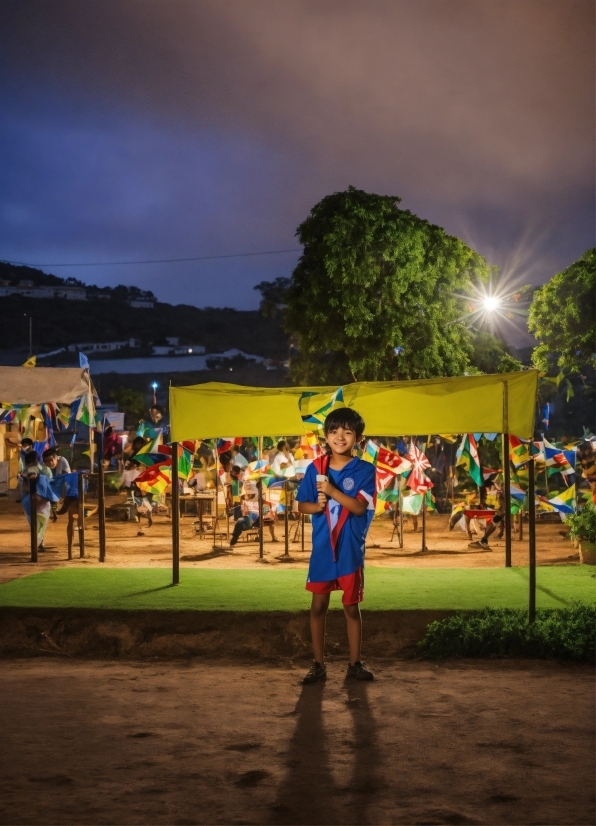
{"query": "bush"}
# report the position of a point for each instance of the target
(582, 525)
(560, 633)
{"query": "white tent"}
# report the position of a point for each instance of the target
(36, 385)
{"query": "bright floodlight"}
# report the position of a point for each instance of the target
(154, 385)
(491, 302)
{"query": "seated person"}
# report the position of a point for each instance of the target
(250, 514)
(58, 466)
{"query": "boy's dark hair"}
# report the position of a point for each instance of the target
(26, 442)
(51, 451)
(157, 407)
(31, 458)
(347, 418)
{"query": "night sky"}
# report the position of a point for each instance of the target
(166, 129)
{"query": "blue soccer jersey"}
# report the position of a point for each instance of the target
(338, 536)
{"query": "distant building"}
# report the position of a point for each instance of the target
(178, 350)
(103, 346)
(28, 289)
(173, 341)
(142, 303)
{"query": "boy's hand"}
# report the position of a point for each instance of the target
(322, 500)
(326, 488)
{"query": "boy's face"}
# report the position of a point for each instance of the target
(51, 461)
(341, 440)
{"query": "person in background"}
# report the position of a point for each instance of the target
(44, 496)
(58, 466)
(112, 447)
(237, 458)
(283, 463)
(250, 514)
(155, 425)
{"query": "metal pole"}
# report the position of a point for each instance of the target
(506, 474)
(401, 515)
(532, 537)
(216, 503)
(260, 491)
(423, 509)
(81, 525)
(520, 516)
(33, 516)
(175, 517)
(101, 501)
(286, 519)
(31, 339)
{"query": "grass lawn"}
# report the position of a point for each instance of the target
(283, 590)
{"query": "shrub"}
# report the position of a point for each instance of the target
(560, 633)
(582, 525)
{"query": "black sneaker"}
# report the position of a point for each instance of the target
(316, 673)
(360, 672)
(481, 543)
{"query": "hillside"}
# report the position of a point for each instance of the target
(59, 322)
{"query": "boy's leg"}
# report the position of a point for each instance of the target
(318, 617)
(354, 628)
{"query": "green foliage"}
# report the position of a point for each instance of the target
(131, 403)
(562, 633)
(273, 296)
(373, 296)
(509, 364)
(562, 317)
(582, 524)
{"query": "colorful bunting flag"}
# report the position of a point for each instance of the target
(418, 481)
(467, 457)
(315, 407)
(555, 458)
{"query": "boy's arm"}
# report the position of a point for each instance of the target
(313, 507)
(350, 503)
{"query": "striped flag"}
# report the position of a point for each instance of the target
(467, 457)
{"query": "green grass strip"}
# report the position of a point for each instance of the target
(283, 590)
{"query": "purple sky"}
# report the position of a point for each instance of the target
(159, 128)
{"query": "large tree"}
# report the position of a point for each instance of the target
(562, 317)
(374, 294)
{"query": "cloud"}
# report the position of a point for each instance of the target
(157, 129)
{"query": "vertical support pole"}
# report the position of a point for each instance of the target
(91, 407)
(260, 493)
(81, 525)
(423, 511)
(216, 503)
(101, 501)
(532, 542)
(506, 474)
(286, 519)
(401, 515)
(520, 527)
(33, 516)
(175, 517)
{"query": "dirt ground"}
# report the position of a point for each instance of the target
(183, 743)
(126, 549)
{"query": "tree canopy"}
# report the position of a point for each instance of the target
(562, 317)
(373, 296)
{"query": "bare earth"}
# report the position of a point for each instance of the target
(126, 549)
(468, 742)
(205, 741)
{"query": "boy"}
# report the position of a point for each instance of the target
(338, 491)
(44, 496)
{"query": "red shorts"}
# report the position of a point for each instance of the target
(352, 585)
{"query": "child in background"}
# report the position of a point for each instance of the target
(338, 491)
(44, 496)
(250, 514)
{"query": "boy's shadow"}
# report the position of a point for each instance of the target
(309, 794)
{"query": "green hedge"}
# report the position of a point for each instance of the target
(560, 633)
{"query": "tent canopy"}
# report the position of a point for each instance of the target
(36, 385)
(498, 403)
